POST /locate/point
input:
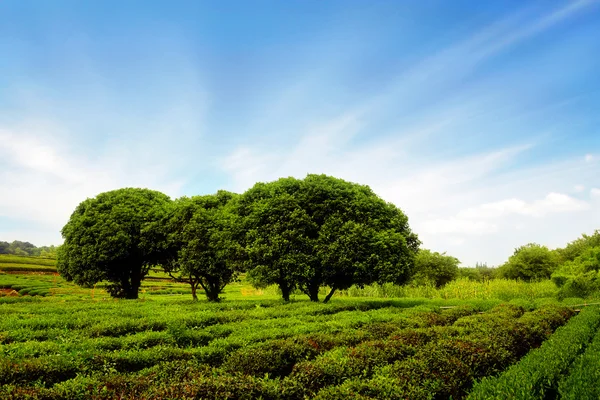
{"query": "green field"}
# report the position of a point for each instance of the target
(61, 341)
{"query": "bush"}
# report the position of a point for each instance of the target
(537, 375)
(583, 378)
(276, 358)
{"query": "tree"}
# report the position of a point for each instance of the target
(324, 231)
(579, 246)
(481, 272)
(579, 277)
(4, 247)
(21, 248)
(105, 240)
(48, 251)
(199, 243)
(530, 262)
(436, 268)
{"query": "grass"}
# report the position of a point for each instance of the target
(464, 289)
(14, 259)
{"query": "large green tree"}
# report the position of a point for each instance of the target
(324, 231)
(529, 263)
(199, 243)
(105, 240)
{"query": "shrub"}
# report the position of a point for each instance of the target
(537, 375)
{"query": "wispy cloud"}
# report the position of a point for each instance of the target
(463, 136)
(422, 162)
(47, 180)
(553, 202)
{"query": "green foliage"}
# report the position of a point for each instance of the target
(479, 273)
(104, 240)
(579, 246)
(198, 239)
(247, 349)
(443, 366)
(20, 248)
(581, 383)
(537, 375)
(323, 231)
(579, 277)
(435, 268)
(14, 259)
(529, 263)
(463, 288)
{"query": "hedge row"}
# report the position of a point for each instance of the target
(446, 366)
(379, 360)
(14, 259)
(537, 375)
(583, 381)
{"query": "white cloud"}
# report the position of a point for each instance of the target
(458, 225)
(595, 193)
(479, 220)
(47, 188)
(552, 203)
(437, 157)
(578, 188)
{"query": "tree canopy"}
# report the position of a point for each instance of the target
(20, 248)
(324, 231)
(579, 246)
(198, 239)
(105, 240)
(435, 268)
(530, 262)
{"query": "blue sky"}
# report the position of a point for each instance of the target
(479, 119)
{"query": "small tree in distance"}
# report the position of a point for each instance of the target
(436, 268)
(529, 263)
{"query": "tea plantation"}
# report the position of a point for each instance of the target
(61, 341)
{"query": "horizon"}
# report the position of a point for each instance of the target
(479, 121)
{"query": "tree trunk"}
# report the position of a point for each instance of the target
(134, 286)
(328, 297)
(313, 293)
(194, 287)
(212, 292)
(213, 296)
(285, 291)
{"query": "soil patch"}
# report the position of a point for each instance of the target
(8, 292)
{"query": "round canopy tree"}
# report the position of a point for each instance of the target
(105, 240)
(531, 262)
(324, 231)
(435, 268)
(198, 242)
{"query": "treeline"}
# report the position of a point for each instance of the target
(302, 235)
(575, 268)
(299, 234)
(27, 249)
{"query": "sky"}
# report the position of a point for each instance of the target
(480, 120)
